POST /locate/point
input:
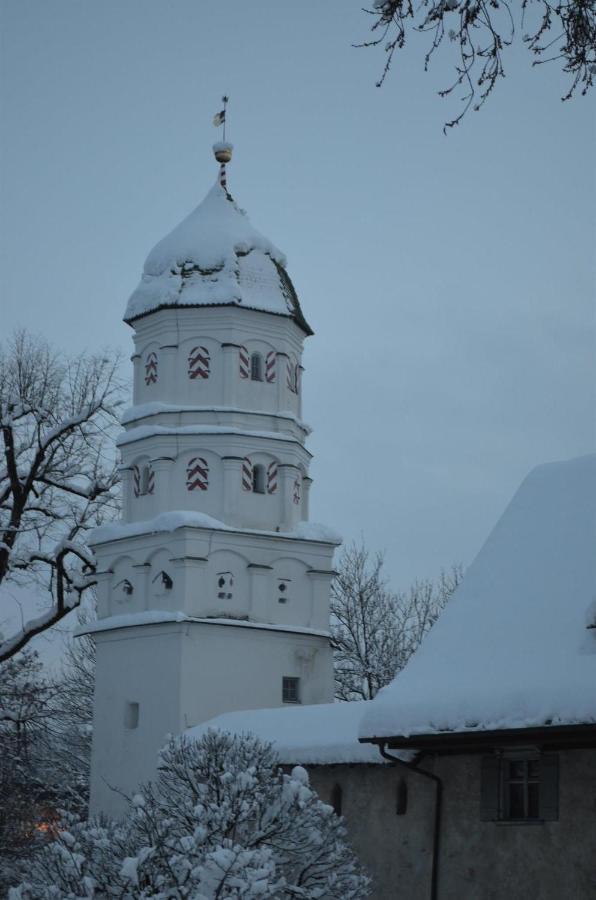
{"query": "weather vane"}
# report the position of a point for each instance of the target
(220, 117)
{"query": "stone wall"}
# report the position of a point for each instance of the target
(478, 860)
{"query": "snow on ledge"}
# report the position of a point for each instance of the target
(161, 616)
(320, 734)
(170, 521)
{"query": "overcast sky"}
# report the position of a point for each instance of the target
(450, 280)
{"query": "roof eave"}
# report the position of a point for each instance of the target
(297, 318)
(548, 737)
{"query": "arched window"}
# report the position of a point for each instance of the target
(256, 367)
(336, 799)
(297, 490)
(199, 363)
(197, 474)
(151, 368)
(258, 479)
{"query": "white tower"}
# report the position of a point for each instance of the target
(214, 587)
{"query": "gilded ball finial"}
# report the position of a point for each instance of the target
(222, 151)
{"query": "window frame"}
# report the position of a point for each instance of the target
(259, 485)
(256, 371)
(290, 689)
(497, 778)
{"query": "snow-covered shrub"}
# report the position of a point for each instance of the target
(221, 820)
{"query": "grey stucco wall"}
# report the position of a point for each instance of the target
(478, 860)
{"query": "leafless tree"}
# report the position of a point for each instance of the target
(373, 630)
(480, 30)
(58, 473)
(45, 747)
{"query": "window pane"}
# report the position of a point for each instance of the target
(517, 769)
(533, 768)
(516, 801)
(290, 690)
(533, 798)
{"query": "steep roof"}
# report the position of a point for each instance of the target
(215, 257)
(512, 649)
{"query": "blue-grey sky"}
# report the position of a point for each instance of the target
(450, 280)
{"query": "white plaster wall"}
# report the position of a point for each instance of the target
(169, 455)
(256, 662)
(180, 674)
(183, 674)
(195, 556)
(172, 333)
(143, 668)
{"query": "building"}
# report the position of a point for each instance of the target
(488, 791)
(213, 589)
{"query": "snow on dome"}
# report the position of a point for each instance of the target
(215, 257)
(321, 734)
(512, 649)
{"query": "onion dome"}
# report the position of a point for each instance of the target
(216, 258)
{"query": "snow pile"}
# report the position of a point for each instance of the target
(170, 521)
(512, 649)
(322, 734)
(214, 256)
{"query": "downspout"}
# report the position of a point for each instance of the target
(434, 879)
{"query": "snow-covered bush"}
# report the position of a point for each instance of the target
(221, 820)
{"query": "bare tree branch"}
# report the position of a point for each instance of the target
(374, 631)
(57, 419)
(481, 29)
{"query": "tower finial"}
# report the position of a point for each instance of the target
(222, 149)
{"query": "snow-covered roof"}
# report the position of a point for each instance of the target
(512, 649)
(321, 734)
(215, 257)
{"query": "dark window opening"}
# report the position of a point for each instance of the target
(401, 797)
(290, 690)
(336, 799)
(520, 789)
(258, 479)
(256, 367)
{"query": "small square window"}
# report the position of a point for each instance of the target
(290, 690)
